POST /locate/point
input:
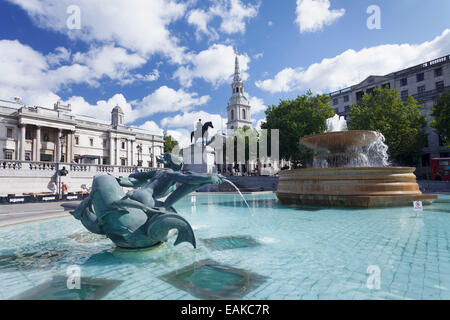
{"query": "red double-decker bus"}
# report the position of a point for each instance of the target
(440, 169)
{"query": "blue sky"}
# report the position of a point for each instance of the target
(168, 63)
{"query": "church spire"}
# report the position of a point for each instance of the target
(237, 70)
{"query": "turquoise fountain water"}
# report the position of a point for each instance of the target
(297, 253)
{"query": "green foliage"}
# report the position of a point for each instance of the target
(399, 121)
(441, 115)
(298, 118)
(169, 143)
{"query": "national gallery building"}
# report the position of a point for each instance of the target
(42, 134)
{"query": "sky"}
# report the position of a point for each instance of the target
(168, 63)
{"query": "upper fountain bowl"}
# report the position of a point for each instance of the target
(339, 141)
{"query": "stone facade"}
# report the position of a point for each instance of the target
(425, 82)
(39, 134)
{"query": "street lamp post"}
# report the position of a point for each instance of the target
(62, 140)
(139, 148)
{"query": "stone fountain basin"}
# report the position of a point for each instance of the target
(339, 141)
(364, 187)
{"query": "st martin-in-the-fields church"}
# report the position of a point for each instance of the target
(239, 109)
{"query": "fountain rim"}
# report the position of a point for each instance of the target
(337, 133)
(402, 169)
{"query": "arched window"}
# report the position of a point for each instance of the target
(237, 90)
(243, 114)
(232, 114)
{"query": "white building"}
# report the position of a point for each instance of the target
(239, 109)
(41, 134)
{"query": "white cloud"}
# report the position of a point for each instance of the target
(257, 105)
(152, 126)
(270, 23)
(351, 67)
(200, 20)
(115, 63)
(166, 99)
(60, 55)
(188, 120)
(102, 109)
(138, 25)
(38, 78)
(183, 136)
(313, 15)
(214, 65)
(258, 55)
(234, 14)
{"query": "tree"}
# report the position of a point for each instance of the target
(169, 143)
(441, 115)
(399, 121)
(295, 119)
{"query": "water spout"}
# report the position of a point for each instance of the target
(239, 191)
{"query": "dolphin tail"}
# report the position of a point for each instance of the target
(159, 226)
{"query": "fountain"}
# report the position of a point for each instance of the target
(140, 219)
(350, 170)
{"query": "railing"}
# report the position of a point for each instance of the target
(71, 167)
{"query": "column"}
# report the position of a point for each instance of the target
(129, 163)
(37, 155)
(118, 152)
(111, 150)
(22, 142)
(58, 147)
(153, 155)
(69, 147)
(132, 152)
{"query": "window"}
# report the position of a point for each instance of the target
(426, 160)
(91, 142)
(346, 98)
(444, 155)
(104, 143)
(404, 95)
(139, 163)
(123, 162)
(8, 155)
(104, 161)
(232, 114)
(123, 145)
(243, 114)
(9, 133)
(335, 101)
(421, 91)
(438, 72)
(403, 82)
(77, 140)
(420, 77)
(149, 164)
(28, 134)
(440, 85)
(27, 156)
(359, 95)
